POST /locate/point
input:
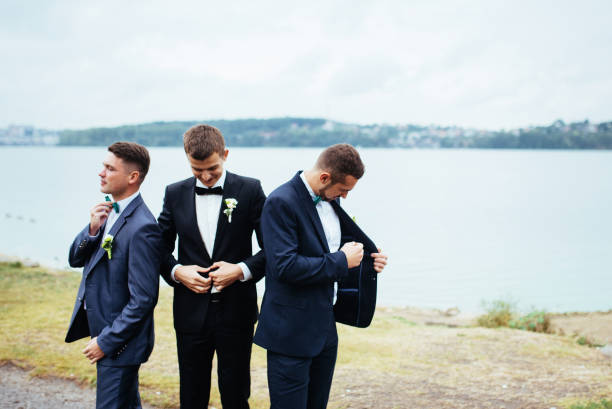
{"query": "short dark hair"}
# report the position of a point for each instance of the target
(134, 154)
(341, 160)
(202, 140)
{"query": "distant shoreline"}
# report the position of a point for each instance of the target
(321, 132)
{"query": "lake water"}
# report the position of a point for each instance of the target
(459, 226)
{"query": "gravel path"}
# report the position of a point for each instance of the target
(20, 391)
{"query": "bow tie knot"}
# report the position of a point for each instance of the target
(317, 199)
(115, 204)
(218, 190)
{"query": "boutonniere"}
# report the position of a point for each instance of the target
(231, 204)
(107, 244)
(354, 219)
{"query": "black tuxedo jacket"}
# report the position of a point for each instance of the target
(233, 244)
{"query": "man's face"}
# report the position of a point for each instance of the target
(115, 176)
(333, 191)
(209, 170)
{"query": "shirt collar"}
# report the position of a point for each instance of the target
(312, 193)
(220, 182)
(123, 203)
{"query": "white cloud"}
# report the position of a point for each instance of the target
(476, 63)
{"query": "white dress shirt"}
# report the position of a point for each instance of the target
(329, 220)
(207, 215)
(331, 225)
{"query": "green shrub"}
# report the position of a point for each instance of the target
(502, 313)
(499, 313)
(536, 321)
(12, 264)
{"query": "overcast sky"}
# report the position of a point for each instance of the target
(485, 64)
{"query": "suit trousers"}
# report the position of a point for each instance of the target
(117, 387)
(300, 382)
(195, 353)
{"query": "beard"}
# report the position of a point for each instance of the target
(324, 195)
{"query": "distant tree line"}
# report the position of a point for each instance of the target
(316, 132)
(581, 135)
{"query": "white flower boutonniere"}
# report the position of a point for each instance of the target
(231, 204)
(107, 244)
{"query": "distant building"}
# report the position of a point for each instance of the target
(28, 135)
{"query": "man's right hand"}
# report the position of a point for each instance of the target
(98, 215)
(190, 277)
(353, 252)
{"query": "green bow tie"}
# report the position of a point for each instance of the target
(115, 204)
(317, 199)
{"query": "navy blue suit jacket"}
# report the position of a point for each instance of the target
(120, 293)
(297, 307)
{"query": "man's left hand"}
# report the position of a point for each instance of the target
(93, 352)
(225, 275)
(380, 260)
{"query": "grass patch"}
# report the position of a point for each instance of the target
(586, 341)
(36, 307)
(393, 358)
(403, 320)
(602, 404)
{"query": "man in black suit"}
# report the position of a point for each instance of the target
(310, 243)
(214, 214)
(119, 250)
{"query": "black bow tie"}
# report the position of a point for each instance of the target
(211, 191)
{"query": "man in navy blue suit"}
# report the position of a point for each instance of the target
(307, 250)
(119, 251)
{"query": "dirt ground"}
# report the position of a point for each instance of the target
(596, 327)
(19, 390)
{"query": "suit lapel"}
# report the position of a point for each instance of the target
(231, 189)
(114, 231)
(188, 199)
(310, 208)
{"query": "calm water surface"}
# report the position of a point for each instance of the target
(460, 226)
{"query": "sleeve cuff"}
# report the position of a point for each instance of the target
(246, 272)
(172, 272)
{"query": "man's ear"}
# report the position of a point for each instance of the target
(325, 177)
(134, 177)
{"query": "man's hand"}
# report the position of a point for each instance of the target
(353, 252)
(92, 351)
(380, 260)
(97, 216)
(189, 276)
(225, 275)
